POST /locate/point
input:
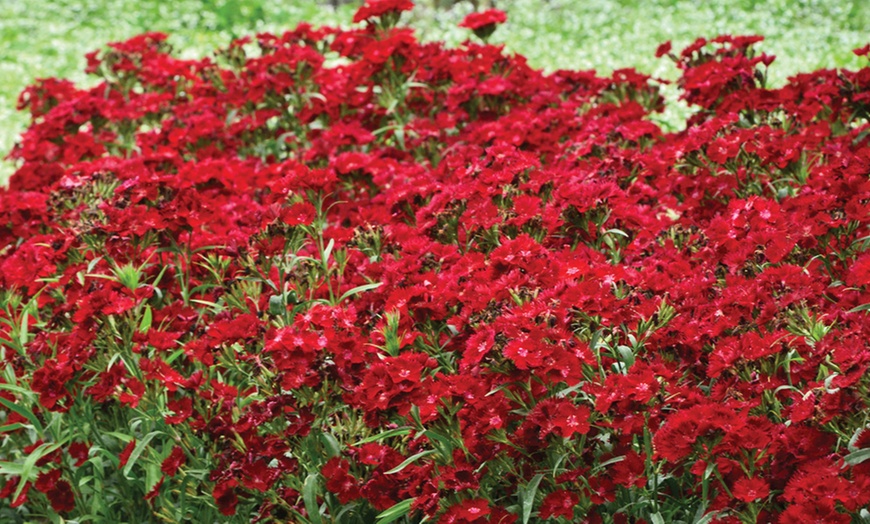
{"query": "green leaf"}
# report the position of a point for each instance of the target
(22, 333)
(626, 355)
(30, 463)
(862, 307)
(527, 496)
(333, 448)
(328, 250)
(409, 460)
(857, 457)
(276, 305)
(384, 435)
(445, 442)
(11, 427)
(657, 518)
(394, 513)
(137, 451)
(24, 412)
(145, 325)
(175, 354)
(15, 389)
(359, 289)
(705, 519)
(309, 496)
(13, 469)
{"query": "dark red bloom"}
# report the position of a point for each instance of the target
(79, 451)
(126, 452)
(466, 512)
(490, 17)
(339, 481)
(155, 490)
(377, 8)
(225, 497)
(663, 49)
(560, 503)
(61, 496)
(173, 461)
(750, 489)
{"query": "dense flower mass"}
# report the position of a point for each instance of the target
(345, 276)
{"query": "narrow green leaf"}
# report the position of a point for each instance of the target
(705, 519)
(30, 463)
(11, 427)
(13, 388)
(175, 354)
(11, 468)
(24, 412)
(123, 437)
(608, 462)
(657, 518)
(309, 496)
(137, 451)
(527, 496)
(180, 510)
(328, 250)
(862, 307)
(22, 333)
(409, 460)
(11, 380)
(384, 435)
(145, 325)
(857, 457)
(394, 513)
(359, 289)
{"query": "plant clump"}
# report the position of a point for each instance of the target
(339, 275)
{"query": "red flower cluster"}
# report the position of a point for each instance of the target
(378, 8)
(476, 21)
(342, 273)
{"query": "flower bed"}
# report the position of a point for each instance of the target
(343, 276)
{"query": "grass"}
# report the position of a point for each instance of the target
(41, 38)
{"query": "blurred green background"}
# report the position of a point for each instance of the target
(42, 38)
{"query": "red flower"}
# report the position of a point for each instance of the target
(490, 17)
(61, 497)
(125, 454)
(172, 462)
(570, 419)
(79, 451)
(301, 213)
(339, 481)
(155, 490)
(183, 409)
(630, 471)
(58, 491)
(663, 49)
(525, 352)
(859, 273)
(750, 489)
(225, 497)
(560, 503)
(46, 480)
(9, 490)
(377, 8)
(466, 512)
